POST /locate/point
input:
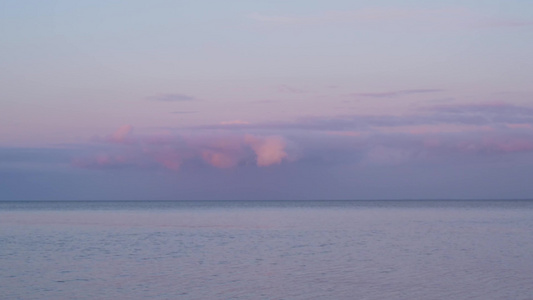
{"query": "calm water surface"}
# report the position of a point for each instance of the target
(267, 250)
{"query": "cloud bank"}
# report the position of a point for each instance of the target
(124, 150)
(431, 135)
(463, 151)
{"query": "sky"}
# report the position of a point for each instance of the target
(258, 100)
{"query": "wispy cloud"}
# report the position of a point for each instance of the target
(482, 114)
(399, 93)
(500, 108)
(172, 98)
(234, 122)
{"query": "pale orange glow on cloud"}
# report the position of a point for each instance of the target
(269, 150)
(169, 159)
(220, 152)
(519, 126)
(219, 159)
(120, 136)
(509, 145)
(167, 152)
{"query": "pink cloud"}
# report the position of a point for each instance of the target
(496, 129)
(171, 151)
(519, 126)
(269, 150)
(121, 135)
(167, 158)
(220, 159)
(218, 151)
(509, 145)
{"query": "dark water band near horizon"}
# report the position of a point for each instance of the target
(412, 249)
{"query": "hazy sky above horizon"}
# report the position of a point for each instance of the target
(266, 99)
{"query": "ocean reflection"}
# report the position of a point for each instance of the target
(268, 250)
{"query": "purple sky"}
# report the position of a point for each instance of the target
(266, 100)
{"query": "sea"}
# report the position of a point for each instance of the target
(401, 249)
